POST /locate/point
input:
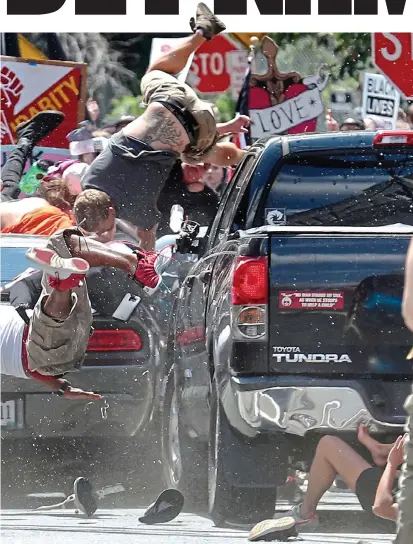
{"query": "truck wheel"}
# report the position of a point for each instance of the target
(229, 505)
(184, 460)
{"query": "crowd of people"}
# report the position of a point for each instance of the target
(120, 184)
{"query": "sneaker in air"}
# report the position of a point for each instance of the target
(206, 21)
(83, 497)
(39, 126)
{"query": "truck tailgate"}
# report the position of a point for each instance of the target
(335, 307)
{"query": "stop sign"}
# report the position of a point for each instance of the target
(210, 65)
(393, 56)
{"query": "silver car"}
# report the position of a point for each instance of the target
(124, 362)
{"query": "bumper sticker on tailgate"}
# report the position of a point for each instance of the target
(307, 300)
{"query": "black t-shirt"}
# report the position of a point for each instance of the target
(200, 207)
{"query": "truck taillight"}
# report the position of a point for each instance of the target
(119, 340)
(393, 137)
(250, 281)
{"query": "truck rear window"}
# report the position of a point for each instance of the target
(330, 190)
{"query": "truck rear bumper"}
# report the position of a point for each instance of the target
(297, 409)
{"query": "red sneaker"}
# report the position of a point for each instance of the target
(64, 274)
(149, 269)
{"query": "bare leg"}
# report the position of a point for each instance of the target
(58, 304)
(333, 456)
(175, 61)
(97, 254)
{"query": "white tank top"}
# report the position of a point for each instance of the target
(11, 338)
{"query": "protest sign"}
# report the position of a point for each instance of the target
(31, 86)
(381, 100)
(283, 103)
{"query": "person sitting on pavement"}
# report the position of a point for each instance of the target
(374, 486)
(135, 166)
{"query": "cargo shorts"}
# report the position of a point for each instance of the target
(405, 522)
(56, 347)
(160, 85)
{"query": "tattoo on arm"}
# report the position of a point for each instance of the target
(161, 128)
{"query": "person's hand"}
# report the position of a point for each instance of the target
(75, 393)
(396, 455)
(239, 125)
(331, 123)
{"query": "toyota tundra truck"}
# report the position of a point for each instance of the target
(288, 327)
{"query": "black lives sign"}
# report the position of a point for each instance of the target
(221, 7)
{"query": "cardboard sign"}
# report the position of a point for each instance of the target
(31, 86)
(237, 62)
(308, 300)
(283, 103)
(381, 100)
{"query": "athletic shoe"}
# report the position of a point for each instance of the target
(39, 126)
(149, 270)
(167, 507)
(84, 499)
(64, 274)
(295, 513)
(274, 529)
(206, 21)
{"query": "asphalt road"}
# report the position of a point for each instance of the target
(116, 521)
(122, 527)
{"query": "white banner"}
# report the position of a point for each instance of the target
(282, 117)
(381, 101)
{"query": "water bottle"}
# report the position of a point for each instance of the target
(176, 218)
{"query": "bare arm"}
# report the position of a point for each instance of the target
(407, 307)
(384, 505)
(224, 154)
(235, 126)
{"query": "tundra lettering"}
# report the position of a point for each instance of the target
(311, 358)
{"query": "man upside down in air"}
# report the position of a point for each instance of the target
(176, 124)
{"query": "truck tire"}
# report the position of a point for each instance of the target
(231, 506)
(184, 460)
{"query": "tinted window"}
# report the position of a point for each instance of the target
(332, 190)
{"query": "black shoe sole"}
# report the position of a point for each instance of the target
(84, 496)
(40, 126)
(153, 515)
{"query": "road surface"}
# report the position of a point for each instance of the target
(121, 526)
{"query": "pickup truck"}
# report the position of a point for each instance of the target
(288, 327)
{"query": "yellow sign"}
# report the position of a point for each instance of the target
(29, 51)
(245, 38)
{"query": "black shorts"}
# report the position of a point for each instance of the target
(366, 487)
(133, 175)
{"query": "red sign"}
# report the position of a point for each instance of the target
(393, 56)
(308, 300)
(211, 65)
(28, 87)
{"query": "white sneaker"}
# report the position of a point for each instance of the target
(50, 262)
(274, 529)
(295, 513)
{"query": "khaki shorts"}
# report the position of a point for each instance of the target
(53, 347)
(157, 84)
